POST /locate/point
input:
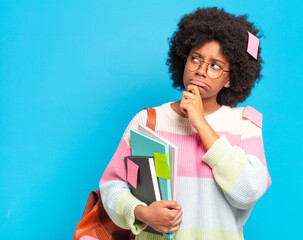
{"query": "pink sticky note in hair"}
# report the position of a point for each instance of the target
(253, 45)
(132, 173)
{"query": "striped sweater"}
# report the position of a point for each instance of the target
(216, 188)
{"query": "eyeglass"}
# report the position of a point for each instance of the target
(213, 70)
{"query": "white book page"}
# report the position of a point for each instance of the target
(154, 178)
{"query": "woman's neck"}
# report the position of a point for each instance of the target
(210, 106)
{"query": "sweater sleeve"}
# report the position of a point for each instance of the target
(240, 170)
(117, 199)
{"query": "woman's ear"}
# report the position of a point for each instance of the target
(227, 84)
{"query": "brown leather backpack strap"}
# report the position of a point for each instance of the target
(151, 118)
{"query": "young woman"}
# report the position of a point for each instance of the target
(222, 170)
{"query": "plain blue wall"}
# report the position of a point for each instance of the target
(74, 73)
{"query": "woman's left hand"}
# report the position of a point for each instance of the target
(191, 104)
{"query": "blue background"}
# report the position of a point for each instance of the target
(74, 73)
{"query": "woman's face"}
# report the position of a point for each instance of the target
(211, 53)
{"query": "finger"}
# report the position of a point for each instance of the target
(171, 204)
(187, 94)
(186, 101)
(178, 220)
(184, 111)
(175, 205)
(178, 217)
(183, 107)
(160, 228)
(173, 229)
(183, 97)
(196, 91)
(179, 205)
(186, 105)
(189, 87)
(170, 216)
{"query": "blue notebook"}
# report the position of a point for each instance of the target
(144, 145)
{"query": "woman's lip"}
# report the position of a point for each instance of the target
(198, 83)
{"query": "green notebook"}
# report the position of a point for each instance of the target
(144, 145)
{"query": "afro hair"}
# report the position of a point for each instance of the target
(207, 24)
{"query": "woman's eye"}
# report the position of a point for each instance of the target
(215, 66)
(194, 59)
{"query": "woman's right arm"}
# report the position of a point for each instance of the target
(117, 199)
(124, 209)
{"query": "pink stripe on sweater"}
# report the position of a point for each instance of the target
(116, 169)
(190, 155)
(254, 146)
(190, 162)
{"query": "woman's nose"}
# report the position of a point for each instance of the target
(202, 70)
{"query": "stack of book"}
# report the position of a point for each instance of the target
(152, 168)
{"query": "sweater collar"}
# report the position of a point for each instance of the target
(184, 121)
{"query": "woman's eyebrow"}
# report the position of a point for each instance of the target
(197, 54)
(213, 59)
(217, 60)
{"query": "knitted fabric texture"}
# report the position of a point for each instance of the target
(216, 189)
